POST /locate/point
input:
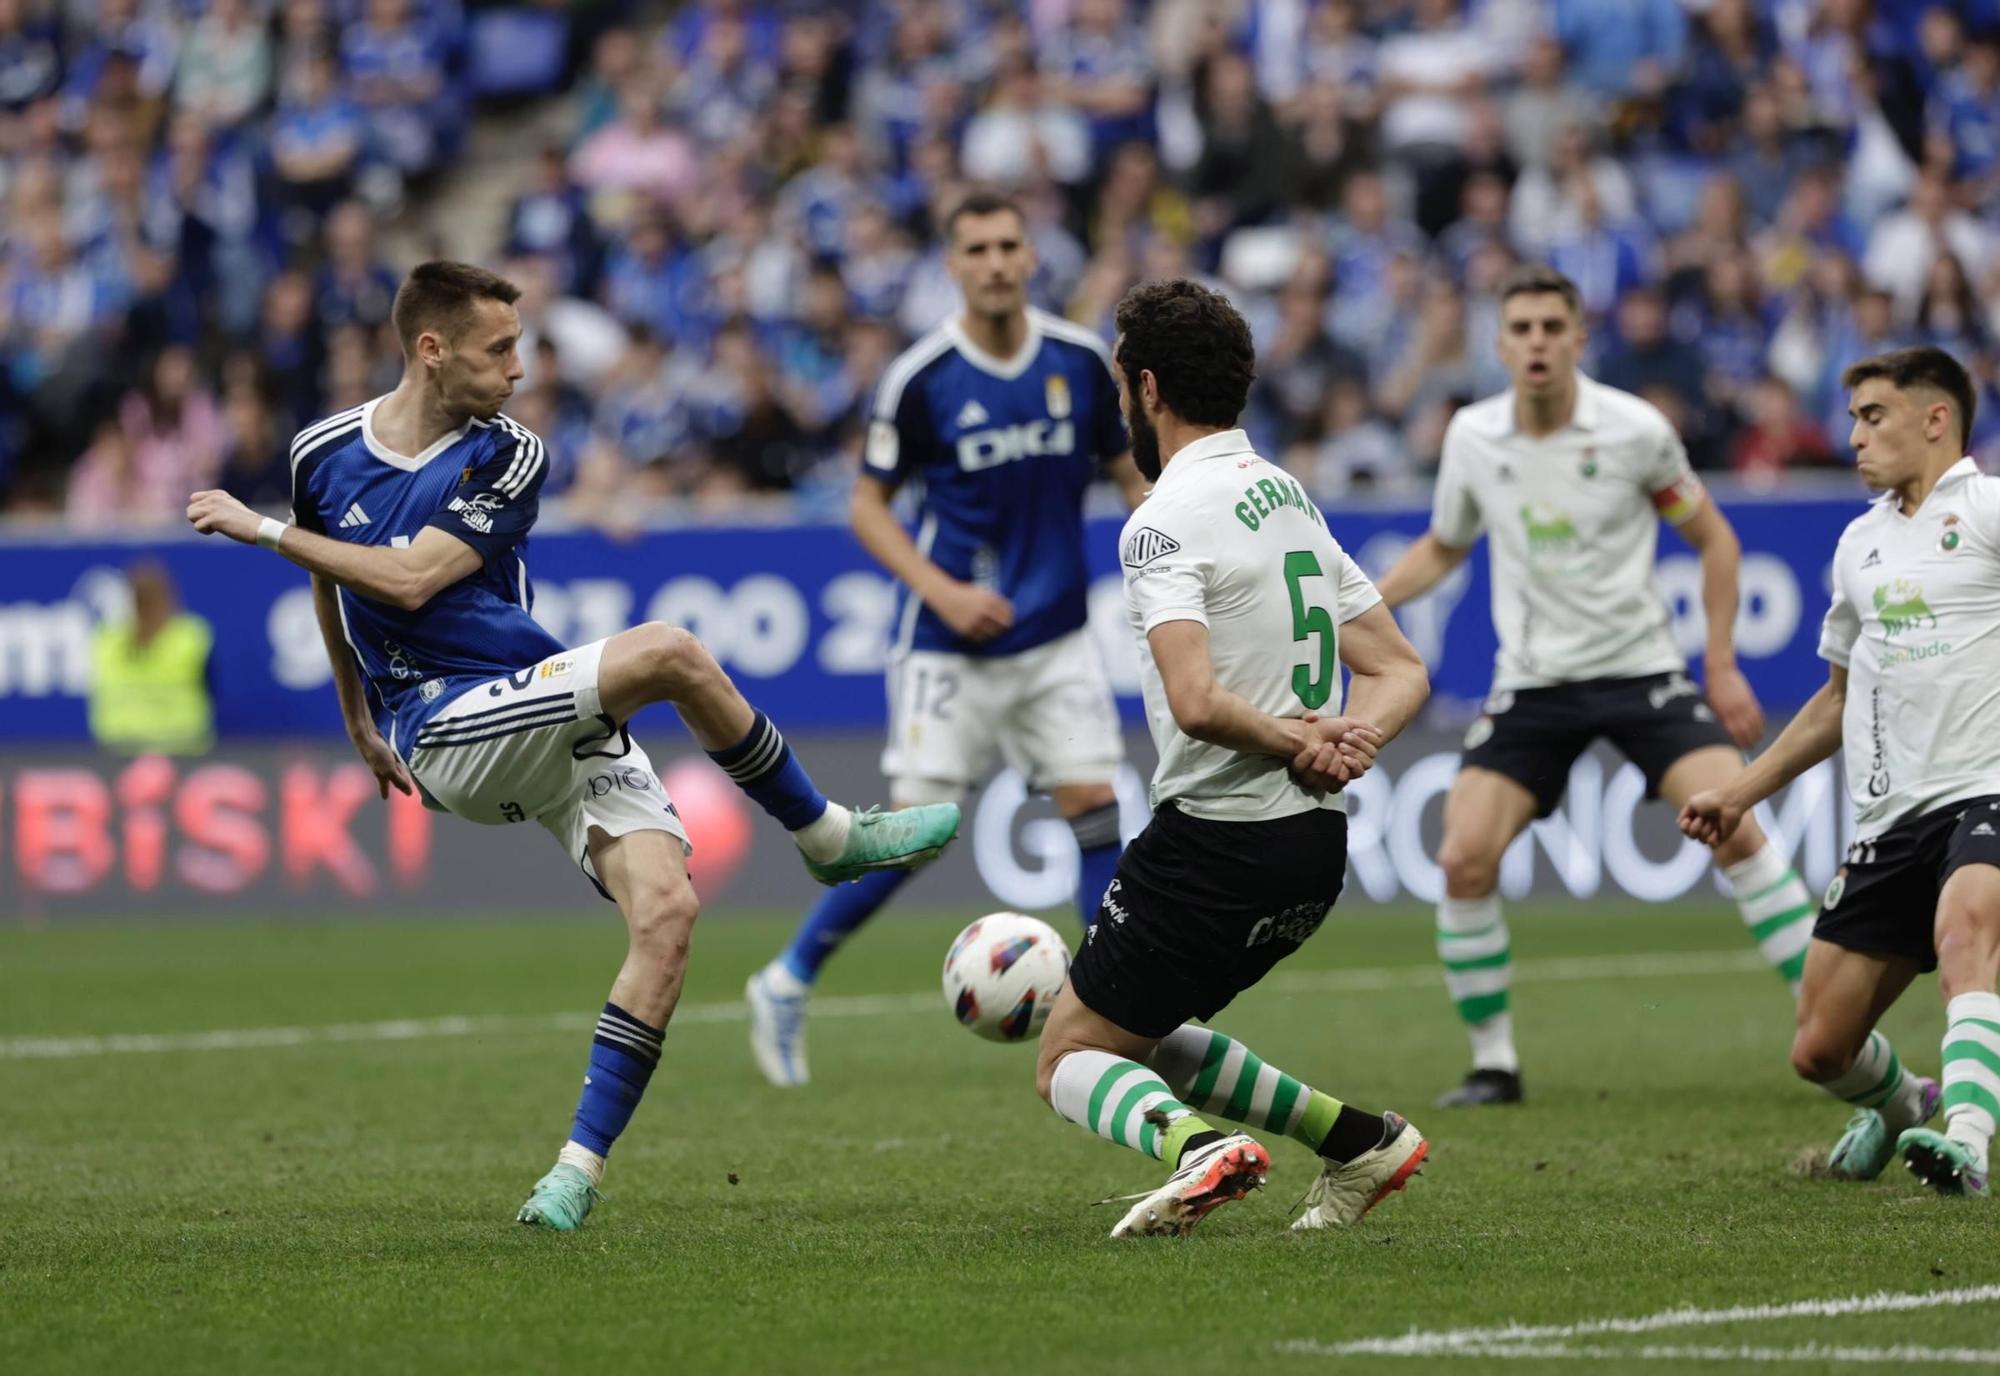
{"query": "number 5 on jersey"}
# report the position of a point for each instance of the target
(1310, 621)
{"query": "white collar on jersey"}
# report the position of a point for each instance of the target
(1966, 467)
(1222, 443)
(1002, 368)
(404, 461)
(1584, 416)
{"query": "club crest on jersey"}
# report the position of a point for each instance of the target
(1589, 466)
(1146, 545)
(1057, 391)
(1949, 541)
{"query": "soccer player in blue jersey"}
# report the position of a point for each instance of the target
(1004, 415)
(412, 513)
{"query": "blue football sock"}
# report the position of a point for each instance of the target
(763, 766)
(1098, 848)
(622, 1056)
(839, 912)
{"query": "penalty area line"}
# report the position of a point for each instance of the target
(1366, 980)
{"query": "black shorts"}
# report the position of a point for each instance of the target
(1202, 910)
(1883, 901)
(1533, 735)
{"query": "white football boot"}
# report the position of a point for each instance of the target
(778, 1025)
(1347, 1190)
(1207, 1176)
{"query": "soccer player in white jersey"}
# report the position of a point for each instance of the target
(412, 513)
(1245, 609)
(1570, 479)
(1002, 418)
(1912, 645)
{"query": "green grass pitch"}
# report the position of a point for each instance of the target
(346, 1205)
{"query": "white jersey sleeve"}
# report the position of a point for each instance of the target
(1455, 518)
(1842, 626)
(1355, 590)
(1168, 566)
(1670, 480)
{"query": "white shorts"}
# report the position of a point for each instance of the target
(536, 745)
(1048, 711)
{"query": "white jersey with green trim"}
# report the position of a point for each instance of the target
(1915, 621)
(1573, 522)
(1230, 541)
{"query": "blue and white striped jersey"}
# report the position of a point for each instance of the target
(481, 483)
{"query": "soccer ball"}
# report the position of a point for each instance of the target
(1002, 975)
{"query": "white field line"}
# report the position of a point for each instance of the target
(1553, 1340)
(1367, 980)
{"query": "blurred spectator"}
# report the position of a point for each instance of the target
(1537, 111)
(1624, 49)
(292, 348)
(1021, 134)
(1541, 199)
(551, 220)
(615, 64)
(1295, 367)
(1777, 438)
(355, 287)
(1427, 75)
(1435, 363)
(225, 67)
(30, 63)
(636, 152)
(1902, 245)
(1240, 177)
(317, 138)
(397, 69)
(256, 464)
(1643, 355)
(149, 680)
(1604, 259)
(1360, 452)
(1099, 66)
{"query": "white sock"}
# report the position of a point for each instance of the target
(1473, 944)
(1777, 908)
(1877, 1080)
(825, 837)
(783, 982)
(584, 1159)
(1971, 1084)
(1134, 1107)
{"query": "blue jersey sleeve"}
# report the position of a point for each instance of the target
(896, 430)
(496, 502)
(305, 506)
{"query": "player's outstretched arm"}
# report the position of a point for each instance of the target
(387, 766)
(1813, 735)
(974, 612)
(405, 578)
(1207, 711)
(1418, 571)
(1712, 537)
(1390, 682)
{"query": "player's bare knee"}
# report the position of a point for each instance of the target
(661, 920)
(1821, 1053)
(677, 661)
(1469, 872)
(1966, 952)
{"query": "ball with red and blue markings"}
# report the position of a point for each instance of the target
(1002, 974)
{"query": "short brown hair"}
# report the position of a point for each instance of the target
(438, 295)
(1535, 279)
(985, 201)
(1195, 344)
(1922, 366)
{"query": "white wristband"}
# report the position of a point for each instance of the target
(269, 531)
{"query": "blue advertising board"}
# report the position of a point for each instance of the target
(800, 615)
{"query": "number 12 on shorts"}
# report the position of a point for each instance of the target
(1310, 622)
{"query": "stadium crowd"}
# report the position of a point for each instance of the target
(739, 228)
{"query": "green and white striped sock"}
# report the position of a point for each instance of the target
(1972, 1070)
(1220, 1075)
(1124, 1101)
(1877, 1080)
(1478, 959)
(1777, 908)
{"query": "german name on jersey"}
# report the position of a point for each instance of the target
(1004, 450)
(1230, 541)
(1915, 621)
(482, 484)
(1572, 521)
